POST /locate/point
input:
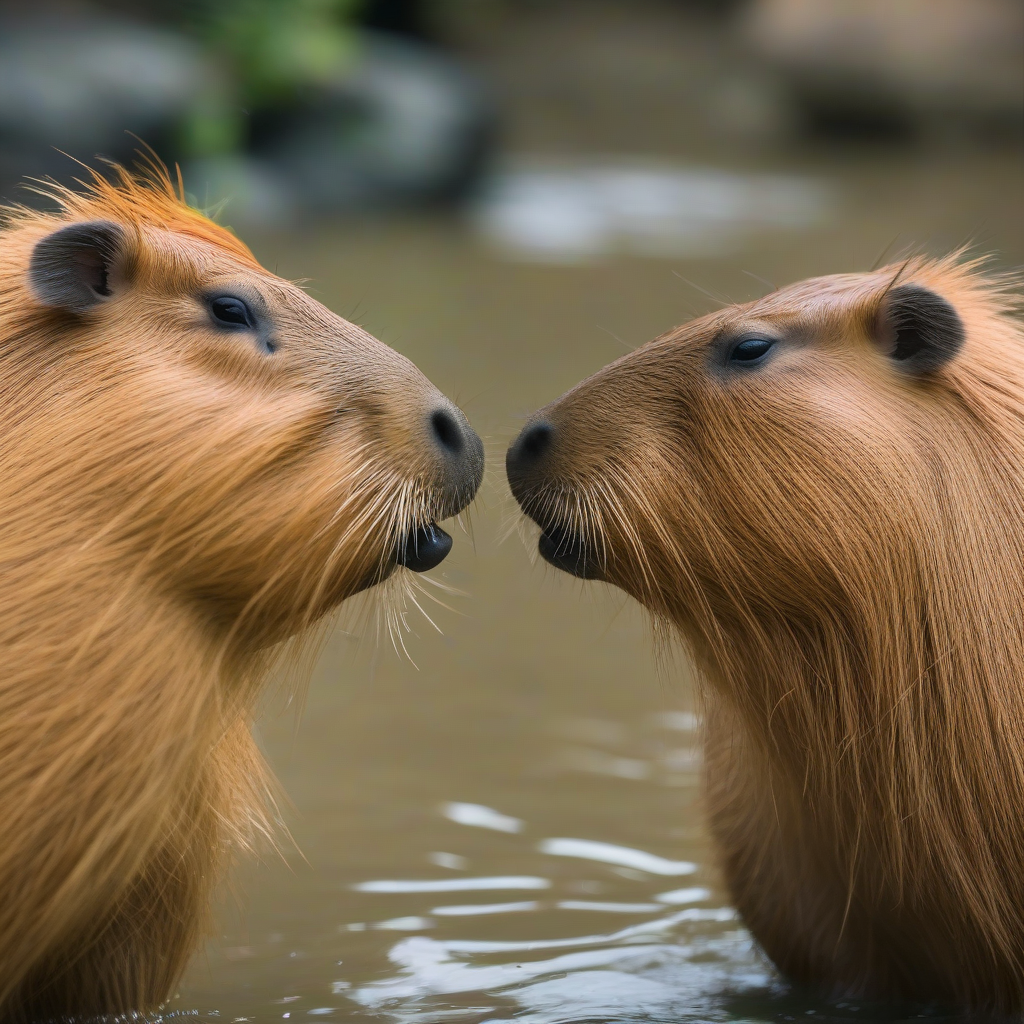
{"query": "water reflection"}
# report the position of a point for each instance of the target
(607, 907)
(564, 212)
(481, 817)
(474, 909)
(681, 952)
(452, 884)
(452, 861)
(608, 853)
(666, 965)
(682, 955)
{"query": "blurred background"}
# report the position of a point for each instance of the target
(506, 824)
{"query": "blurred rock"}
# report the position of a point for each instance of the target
(938, 65)
(80, 84)
(403, 124)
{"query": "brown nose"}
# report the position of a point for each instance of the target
(527, 454)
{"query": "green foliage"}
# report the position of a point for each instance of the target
(278, 45)
(267, 51)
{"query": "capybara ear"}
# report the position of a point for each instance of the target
(921, 330)
(73, 267)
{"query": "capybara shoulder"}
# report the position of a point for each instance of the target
(198, 462)
(823, 490)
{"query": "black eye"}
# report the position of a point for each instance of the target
(232, 312)
(750, 350)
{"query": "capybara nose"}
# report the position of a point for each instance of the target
(460, 448)
(527, 452)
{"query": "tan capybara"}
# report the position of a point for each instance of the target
(823, 491)
(197, 462)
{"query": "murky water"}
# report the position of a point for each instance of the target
(510, 829)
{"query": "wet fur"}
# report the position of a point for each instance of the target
(841, 545)
(173, 503)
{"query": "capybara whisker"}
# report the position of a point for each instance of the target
(182, 508)
(412, 597)
(822, 493)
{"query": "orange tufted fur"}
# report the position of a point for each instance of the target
(839, 539)
(175, 499)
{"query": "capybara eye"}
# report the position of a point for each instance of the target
(232, 312)
(750, 350)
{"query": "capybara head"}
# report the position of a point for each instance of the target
(259, 453)
(823, 491)
(760, 459)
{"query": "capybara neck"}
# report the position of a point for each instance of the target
(823, 491)
(198, 462)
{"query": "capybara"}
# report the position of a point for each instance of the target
(823, 492)
(198, 462)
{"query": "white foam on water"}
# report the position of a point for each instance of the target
(403, 885)
(405, 924)
(429, 968)
(634, 974)
(479, 816)
(473, 909)
(598, 992)
(695, 894)
(452, 861)
(609, 907)
(622, 856)
(635, 932)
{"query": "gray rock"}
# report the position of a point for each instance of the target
(402, 123)
(80, 85)
(927, 61)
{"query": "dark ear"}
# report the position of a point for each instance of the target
(73, 268)
(920, 330)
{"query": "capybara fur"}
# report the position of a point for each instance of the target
(823, 491)
(198, 461)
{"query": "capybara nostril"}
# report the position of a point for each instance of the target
(461, 456)
(529, 449)
(447, 431)
(536, 440)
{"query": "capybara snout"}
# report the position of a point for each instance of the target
(822, 493)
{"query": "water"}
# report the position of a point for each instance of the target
(570, 211)
(510, 829)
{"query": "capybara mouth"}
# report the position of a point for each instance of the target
(424, 548)
(566, 551)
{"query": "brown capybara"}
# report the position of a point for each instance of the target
(197, 462)
(823, 491)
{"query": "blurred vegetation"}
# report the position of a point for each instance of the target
(268, 52)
